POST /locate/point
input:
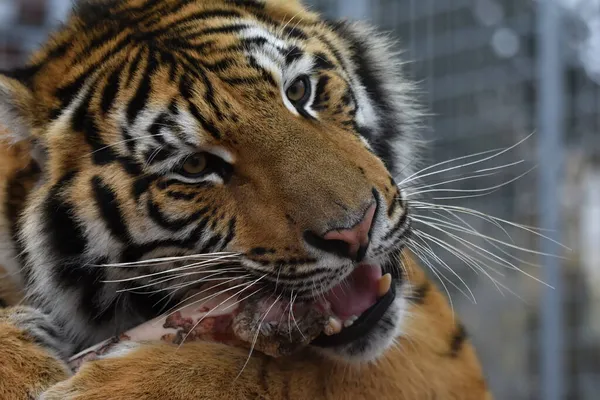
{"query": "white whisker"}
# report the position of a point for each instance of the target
(184, 303)
(209, 278)
(215, 308)
(256, 336)
(439, 277)
(478, 234)
(473, 262)
(468, 211)
(495, 155)
(428, 250)
(163, 260)
(493, 257)
(488, 189)
(474, 232)
(176, 269)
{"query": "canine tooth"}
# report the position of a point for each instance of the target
(334, 326)
(350, 321)
(385, 283)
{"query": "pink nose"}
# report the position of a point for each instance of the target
(356, 237)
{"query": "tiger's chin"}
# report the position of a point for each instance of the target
(364, 337)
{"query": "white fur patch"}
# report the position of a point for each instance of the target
(121, 350)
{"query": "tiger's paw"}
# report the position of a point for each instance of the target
(40, 329)
(31, 352)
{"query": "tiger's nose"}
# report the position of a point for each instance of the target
(351, 242)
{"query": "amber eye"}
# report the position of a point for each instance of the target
(299, 91)
(194, 165)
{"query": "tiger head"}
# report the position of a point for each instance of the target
(224, 126)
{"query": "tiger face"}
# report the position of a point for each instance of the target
(184, 127)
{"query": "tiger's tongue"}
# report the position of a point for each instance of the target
(357, 293)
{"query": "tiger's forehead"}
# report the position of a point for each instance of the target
(238, 42)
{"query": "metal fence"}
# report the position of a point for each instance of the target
(478, 65)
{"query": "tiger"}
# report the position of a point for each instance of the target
(147, 129)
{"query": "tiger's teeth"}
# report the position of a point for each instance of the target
(385, 283)
(350, 321)
(333, 327)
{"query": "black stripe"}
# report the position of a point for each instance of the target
(110, 90)
(180, 195)
(164, 184)
(252, 4)
(75, 275)
(322, 62)
(339, 58)
(161, 121)
(321, 97)
(130, 166)
(221, 65)
(172, 224)
(22, 74)
(63, 231)
(393, 206)
(194, 17)
(129, 140)
(134, 66)
(207, 126)
(185, 88)
(293, 54)
(261, 251)
(195, 68)
(83, 121)
(266, 75)
(136, 252)
(66, 93)
(419, 293)
(248, 43)
(238, 81)
(295, 32)
(366, 70)
(57, 52)
(157, 155)
(297, 276)
(399, 225)
(151, 11)
(230, 233)
(218, 30)
(167, 58)
(458, 340)
(141, 185)
(107, 203)
(140, 99)
(210, 244)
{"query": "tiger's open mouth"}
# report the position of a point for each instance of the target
(345, 313)
(356, 305)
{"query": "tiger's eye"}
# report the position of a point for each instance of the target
(297, 91)
(194, 165)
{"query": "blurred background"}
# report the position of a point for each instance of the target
(490, 73)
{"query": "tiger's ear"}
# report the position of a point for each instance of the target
(16, 105)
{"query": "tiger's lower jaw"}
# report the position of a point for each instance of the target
(356, 320)
(369, 336)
